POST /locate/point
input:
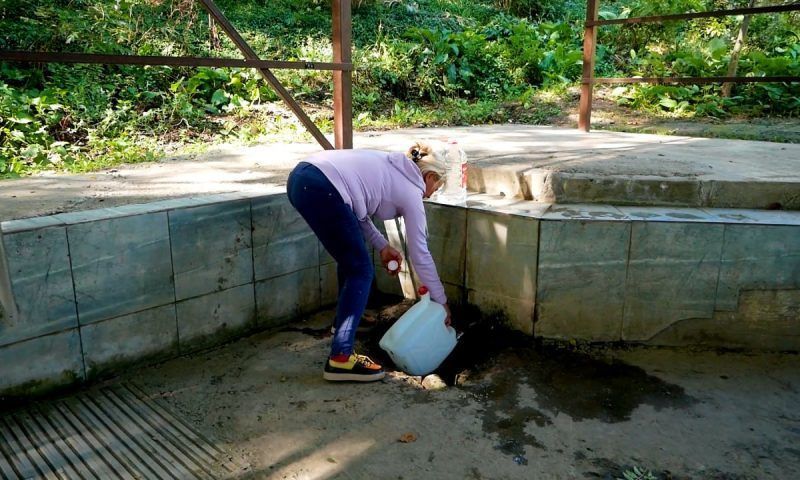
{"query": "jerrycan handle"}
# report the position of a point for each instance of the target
(424, 296)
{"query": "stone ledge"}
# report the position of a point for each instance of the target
(695, 286)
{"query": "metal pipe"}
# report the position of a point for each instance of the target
(98, 58)
(693, 80)
(249, 53)
(687, 16)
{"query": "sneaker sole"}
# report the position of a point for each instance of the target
(352, 377)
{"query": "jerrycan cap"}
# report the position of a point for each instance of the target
(422, 290)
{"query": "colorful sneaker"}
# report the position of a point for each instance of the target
(358, 368)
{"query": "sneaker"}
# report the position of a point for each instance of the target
(359, 368)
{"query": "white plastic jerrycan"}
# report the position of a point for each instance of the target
(420, 341)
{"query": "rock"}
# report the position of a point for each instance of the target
(407, 437)
(433, 382)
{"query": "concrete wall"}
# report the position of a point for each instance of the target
(8, 308)
(99, 290)
(102, 289)
(598, 273)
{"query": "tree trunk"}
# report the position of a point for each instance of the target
(733, 66)
(215, 43)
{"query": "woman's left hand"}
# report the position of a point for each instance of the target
(387, 255)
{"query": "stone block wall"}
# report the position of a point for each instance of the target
(599, 273)
(100, 290)
(97, 291)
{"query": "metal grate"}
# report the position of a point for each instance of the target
(111, 433)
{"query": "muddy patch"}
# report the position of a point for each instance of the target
(580, 385)
(493, 362)
(523, 384)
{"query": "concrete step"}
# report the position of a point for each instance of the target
(558, 165)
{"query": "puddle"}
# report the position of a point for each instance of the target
(491, 362)
(521, 383)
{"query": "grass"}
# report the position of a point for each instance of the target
(418, 63)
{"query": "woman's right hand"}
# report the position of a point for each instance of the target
(447, 319)
(388, 253)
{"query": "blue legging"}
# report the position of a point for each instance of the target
(336, 226)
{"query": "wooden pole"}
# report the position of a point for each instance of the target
(250, 54)
(342, 80)
(589, 46)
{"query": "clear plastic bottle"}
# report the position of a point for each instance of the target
(455, 188)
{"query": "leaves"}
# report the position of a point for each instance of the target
(436, 63)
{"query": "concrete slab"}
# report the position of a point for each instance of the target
(280, 299)
(526, 413)
(121, 266)
(447, 240)
(282, 241)
(502, 265)
(41, 283)
(677, 215)
(110, 345)
(8, 306)
(509, 205)
(58, 363)
(672, 276)
(215, 318)
(543, 163)
(757, 258)
(759, 217)
(765, 320)
(581, 279)
(584, 212)
(211, 248)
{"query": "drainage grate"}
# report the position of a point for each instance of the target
(110, 433)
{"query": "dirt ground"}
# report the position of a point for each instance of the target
(504, 409)
(607, 115)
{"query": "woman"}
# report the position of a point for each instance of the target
(337, 192)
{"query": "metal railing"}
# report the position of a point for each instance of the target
(341, 66)
(590, 46)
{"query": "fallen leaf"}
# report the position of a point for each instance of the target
(408, 437)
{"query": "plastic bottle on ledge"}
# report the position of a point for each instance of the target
(455, 187)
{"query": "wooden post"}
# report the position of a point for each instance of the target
(589, 45)
(342, 80)
(250, 54)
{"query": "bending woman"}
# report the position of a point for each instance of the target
(337, 192)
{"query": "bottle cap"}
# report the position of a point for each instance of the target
(393, 265)
(423, 290)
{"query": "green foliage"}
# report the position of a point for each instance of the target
(638, 473)
(542, 9)
(418, 62)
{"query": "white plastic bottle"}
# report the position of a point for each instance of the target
(455, 188)
(420, 341)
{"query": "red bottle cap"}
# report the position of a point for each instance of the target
(423, 290)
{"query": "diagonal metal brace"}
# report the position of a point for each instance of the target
(250, 54)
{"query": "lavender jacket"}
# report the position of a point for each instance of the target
(386, 186)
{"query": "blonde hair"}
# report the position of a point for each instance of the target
(427, 158)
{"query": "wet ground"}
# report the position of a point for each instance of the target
(507, 408)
